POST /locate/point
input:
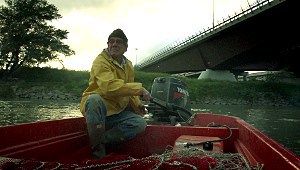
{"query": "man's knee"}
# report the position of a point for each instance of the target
(93, 99)
(95, 109)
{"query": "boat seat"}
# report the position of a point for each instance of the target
(183, 139)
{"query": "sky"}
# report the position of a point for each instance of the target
(149, 25)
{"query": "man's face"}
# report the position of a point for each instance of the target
(116, 47)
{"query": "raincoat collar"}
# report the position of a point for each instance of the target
(124, 59)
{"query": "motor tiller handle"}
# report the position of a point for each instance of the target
(170, 107)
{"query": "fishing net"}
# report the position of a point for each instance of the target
(186, 159)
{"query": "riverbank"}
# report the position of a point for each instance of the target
(56, 91)
(53, 84)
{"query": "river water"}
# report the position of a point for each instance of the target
(280, 123)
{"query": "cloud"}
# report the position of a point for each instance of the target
(149, 24)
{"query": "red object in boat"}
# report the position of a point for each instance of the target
(66, 141)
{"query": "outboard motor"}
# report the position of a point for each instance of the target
(170, 100)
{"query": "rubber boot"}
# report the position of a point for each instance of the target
(96, 131)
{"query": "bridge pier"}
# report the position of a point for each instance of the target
(217, 75)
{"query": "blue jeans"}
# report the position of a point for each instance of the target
(129, 123)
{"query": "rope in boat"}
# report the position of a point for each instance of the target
(192, 158)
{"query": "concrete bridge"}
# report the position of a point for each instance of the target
(264, 37)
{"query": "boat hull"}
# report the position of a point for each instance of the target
(66, 141)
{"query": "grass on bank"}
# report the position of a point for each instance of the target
(77, 81)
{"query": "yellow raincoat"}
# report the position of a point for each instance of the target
(114, 84)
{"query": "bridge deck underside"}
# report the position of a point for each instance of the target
(268, 40)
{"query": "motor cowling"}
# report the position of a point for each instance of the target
(171, 100)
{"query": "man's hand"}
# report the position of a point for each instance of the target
(143, 109)
(146, 96)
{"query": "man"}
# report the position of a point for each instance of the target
(111, 104)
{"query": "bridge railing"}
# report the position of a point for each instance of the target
(181, 44)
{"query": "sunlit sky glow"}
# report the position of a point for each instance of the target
(149, 25)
